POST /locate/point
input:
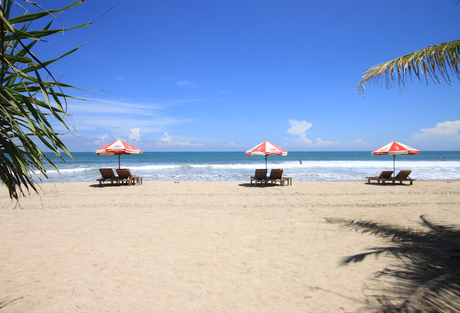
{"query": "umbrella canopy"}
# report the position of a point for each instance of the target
(394, 148)
(118, 147)
(266, 148)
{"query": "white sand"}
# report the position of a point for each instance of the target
(203, 246)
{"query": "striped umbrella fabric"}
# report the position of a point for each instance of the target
(266, 148)
(395, 148)
(118, 147)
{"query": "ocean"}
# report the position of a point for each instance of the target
(236, 166)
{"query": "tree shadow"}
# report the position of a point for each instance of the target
(426, 276)
(5, 302)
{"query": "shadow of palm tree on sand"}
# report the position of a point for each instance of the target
(426, 276)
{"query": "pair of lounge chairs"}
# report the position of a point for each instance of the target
(261, 176)
(124, 176)
(386, 176)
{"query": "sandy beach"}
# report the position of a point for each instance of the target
(227, 247)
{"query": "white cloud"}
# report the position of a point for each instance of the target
(331, 143)
(444, 136)
(298, 127)
(445, 129)
(168, 141)
(232, 144)
(135, 134)
(102, 139)
(324, 143)
(359, 143)
(184, 83)
(303, 140)
(109, 108)
(118, 118)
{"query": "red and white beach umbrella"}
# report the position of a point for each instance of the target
(266, 148)
(394, 148)
(118, 147)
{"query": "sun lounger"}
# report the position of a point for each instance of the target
(276, 175)
(107, 175)
(259, 176)
(403, 176)
(383, 177)
(126, 177)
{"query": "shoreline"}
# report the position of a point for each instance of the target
(223, 166)
(241, 182)
(208, 246)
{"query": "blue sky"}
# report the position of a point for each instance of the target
(225, 75)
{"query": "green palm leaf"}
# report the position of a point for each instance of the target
(28, 103)
(438, 63)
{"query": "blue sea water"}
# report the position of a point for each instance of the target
(236, 166)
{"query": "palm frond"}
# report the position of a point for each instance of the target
(28, 102)
(437, 63)
(423, 273)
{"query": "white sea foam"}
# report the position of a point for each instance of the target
(297, 165)
(314, 171)
(285, 165)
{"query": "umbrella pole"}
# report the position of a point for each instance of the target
(394, 158)
(266, 163)
(119, 157)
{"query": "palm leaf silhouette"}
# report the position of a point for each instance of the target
(426, 276)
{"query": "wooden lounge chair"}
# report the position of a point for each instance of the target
(259, 176)
(383, 177)
(126, 177)
(403, 176)
(107, 175)
(276, 175)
